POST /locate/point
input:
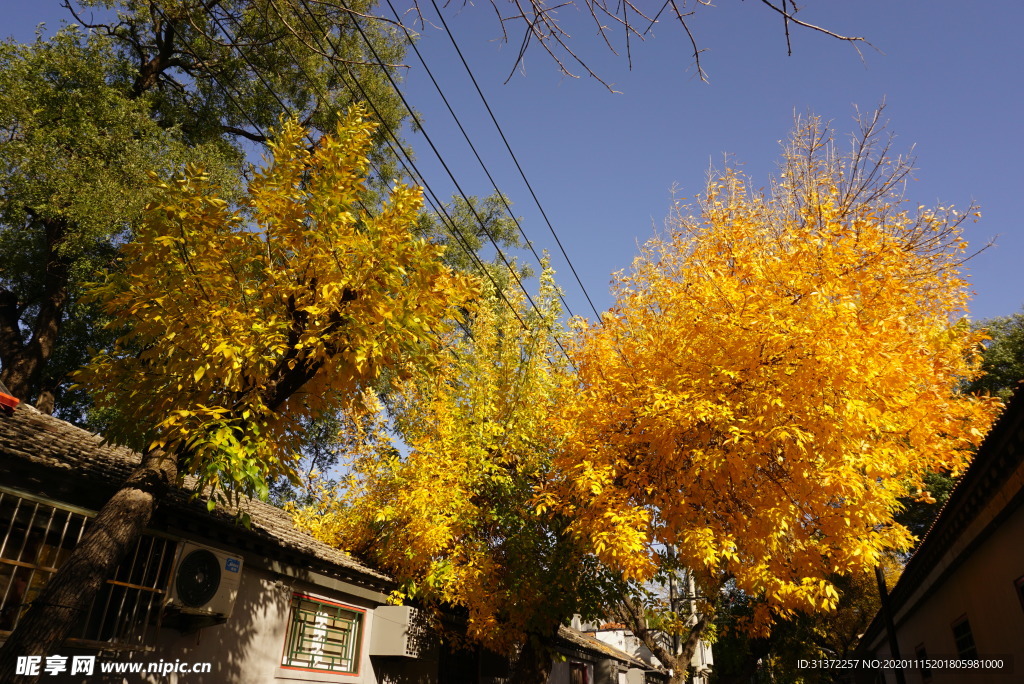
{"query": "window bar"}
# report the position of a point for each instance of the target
(293, 633)
(161, 581)
(28, 533)
(140, 593)
(38, 561)
(3, 546)
(81, 530)
(63, 536)
(82, 522)
(37, 556)
(130, 629)
(106, 610)
(10, 526)
(119, 623)
(17, 558)
(149, 594)
(154, 609)
(82, 633)
(152, 598)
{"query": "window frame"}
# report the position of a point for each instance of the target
(972, 651)
(294, 622)
(580, 667)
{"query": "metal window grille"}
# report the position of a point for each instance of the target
(322, 636)
(36, 536)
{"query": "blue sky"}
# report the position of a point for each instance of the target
(603, 164)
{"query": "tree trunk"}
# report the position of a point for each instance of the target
(24, 362)
(633, 615)
(533, 664)
(110, 535)
(678, 673)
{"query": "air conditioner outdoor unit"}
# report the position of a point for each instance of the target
(205, 581)
(403, 632)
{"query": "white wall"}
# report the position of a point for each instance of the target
(248, 648)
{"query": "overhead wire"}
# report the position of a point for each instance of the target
(287, 111)
(469, 251)
(223, 86)
(400, 153)
(519, 167)
(419, 125)
(508, 147)
(406, 161)
(430, 142)
(472, 147)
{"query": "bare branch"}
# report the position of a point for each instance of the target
(693, 43)
(655, 19)
(541, 25)
(789, 17)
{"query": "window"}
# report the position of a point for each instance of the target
(36, 536)
(577, 673)
(921, 654)
(964, 639)
(323, 635)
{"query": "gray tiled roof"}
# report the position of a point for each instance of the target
(55, 445)
(591, 644)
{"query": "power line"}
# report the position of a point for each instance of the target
(440, 158)
(227, 91)
(433, 147)
(436, 205)
(309, 137)
(511, 153)
(465, 135)
(414, 173)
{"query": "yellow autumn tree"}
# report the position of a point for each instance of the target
(240, 320)
(778, 370)
(450, 514)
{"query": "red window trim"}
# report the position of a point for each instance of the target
(339, 604)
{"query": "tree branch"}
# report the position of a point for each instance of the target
(234, 130)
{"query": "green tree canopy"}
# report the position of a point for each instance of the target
(1002, 364)
(87, 113)
(73, 162)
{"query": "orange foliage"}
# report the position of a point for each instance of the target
(777, 372)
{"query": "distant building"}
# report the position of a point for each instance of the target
(622, 638)
(961, 596)
(591, 660)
